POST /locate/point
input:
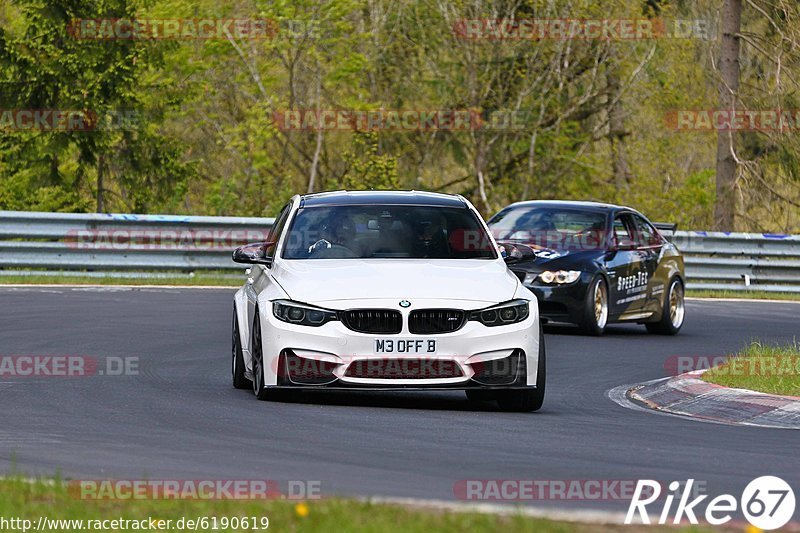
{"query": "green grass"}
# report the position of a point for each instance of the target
(30, 500)
(754, 294)
(766, 368)
(196, 280)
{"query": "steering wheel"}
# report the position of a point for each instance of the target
(324, 249)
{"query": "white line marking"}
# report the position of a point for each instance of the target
(619, 395)
(572, 515)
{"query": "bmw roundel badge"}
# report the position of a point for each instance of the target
(405, 303)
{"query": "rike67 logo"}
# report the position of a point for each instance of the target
(767, 502)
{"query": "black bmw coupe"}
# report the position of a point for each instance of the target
(591, 264)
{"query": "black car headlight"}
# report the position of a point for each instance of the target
(302, 314)
(502, 314)
(557, 277)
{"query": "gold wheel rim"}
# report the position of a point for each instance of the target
(600, 304)
(676, 306)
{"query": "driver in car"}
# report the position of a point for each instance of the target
(336, 239)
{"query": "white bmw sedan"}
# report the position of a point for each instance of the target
(386, 291)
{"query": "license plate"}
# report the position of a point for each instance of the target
(405, 346)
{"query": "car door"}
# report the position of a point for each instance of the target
(624, 265)
(649, 244)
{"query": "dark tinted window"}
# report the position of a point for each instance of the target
(622, 230)
(394, 231)
(646, 235)
(277, 229)
(551, 227)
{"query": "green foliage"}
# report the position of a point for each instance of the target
(129, 165)
(367, 167)
(205, 140)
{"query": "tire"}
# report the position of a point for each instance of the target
(479, 395)
(237, 358)
(259, 389)
(595, 309)
(673, 310)
(527, 400)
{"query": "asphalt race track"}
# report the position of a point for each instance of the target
(179, 418)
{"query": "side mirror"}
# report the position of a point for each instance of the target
(515, 252)
(253, 254)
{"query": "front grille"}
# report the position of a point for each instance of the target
(436, 320)
(372, 320)
(413, 368)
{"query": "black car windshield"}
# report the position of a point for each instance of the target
(387, 231)
(555, 228)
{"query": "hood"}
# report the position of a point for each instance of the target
(561, 259)
(320, 280)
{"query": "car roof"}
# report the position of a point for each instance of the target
(589, 206)
(422, 198)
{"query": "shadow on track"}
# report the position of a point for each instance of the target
(430, 401)
(612, 330)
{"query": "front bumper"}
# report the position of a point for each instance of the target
(562, 303)
(333, 356)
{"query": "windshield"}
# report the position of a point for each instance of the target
(555, 228)
(380, 231)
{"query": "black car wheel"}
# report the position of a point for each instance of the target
(673, 312)
(595, 312)
(259, 389)
(527, 400)
(237, 358)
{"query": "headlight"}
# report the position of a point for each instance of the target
(503, 314)
(301, 314)
(560, 277)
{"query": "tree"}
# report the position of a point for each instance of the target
(725, 206)
(117, 154)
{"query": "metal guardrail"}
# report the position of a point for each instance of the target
(740, 261)
(123, 245)
(99, 243)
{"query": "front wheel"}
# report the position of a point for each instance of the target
(595, 312)
(526, 400)
(259, 389)
(673, 312)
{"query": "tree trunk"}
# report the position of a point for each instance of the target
(100, 169)
(616, 126)
(725, 206)
(312, 175)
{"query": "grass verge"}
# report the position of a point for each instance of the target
(21, 499)
(774, 369)
(750, 295)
